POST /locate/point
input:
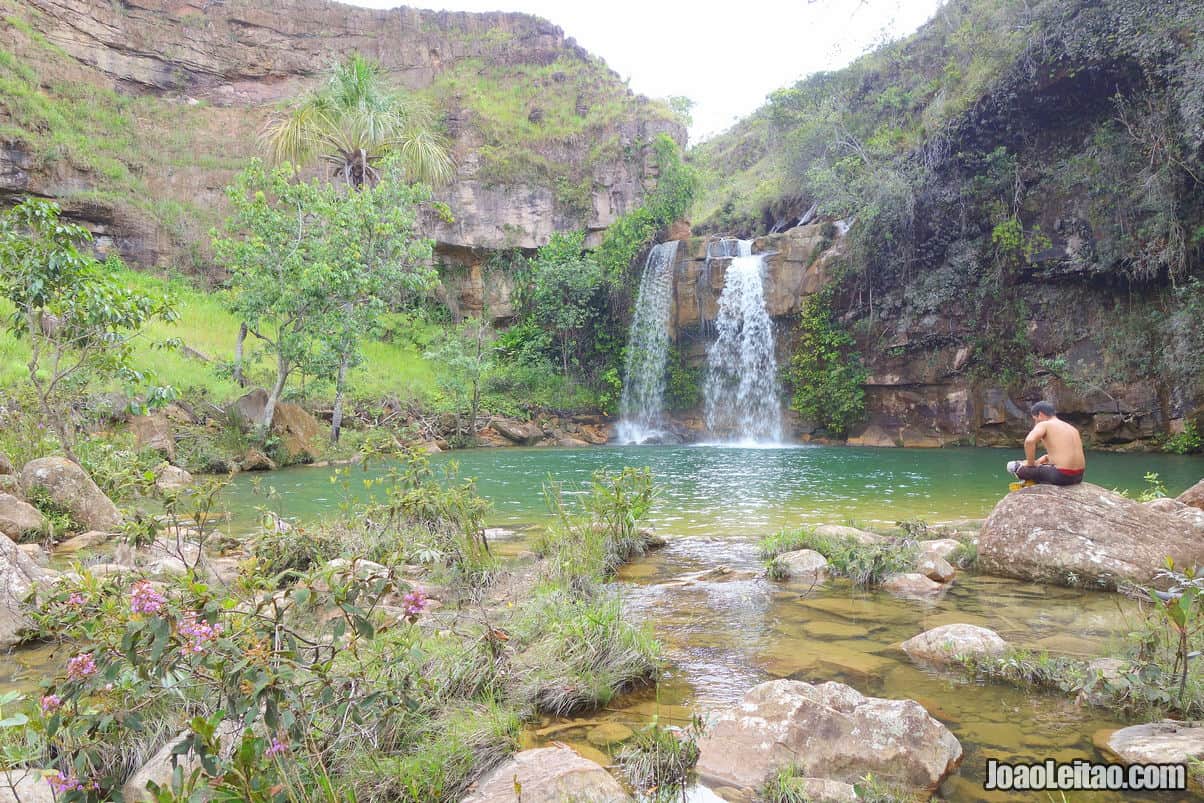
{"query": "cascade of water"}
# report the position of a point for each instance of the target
(641, 407)
(741, 390)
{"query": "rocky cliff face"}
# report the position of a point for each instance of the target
(185, 86)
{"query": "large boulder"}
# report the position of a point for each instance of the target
(18, 518)
(1165, 742)
(1085, 535)
(1193, 496)
(70, 487)
(298, 432)
(18, 574)
(154, 432)
(524, 434)
(828, 730)
(949, 642)
(249, 408)
(548, 775)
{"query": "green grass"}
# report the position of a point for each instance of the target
(864, 564)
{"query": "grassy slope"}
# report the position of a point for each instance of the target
(390, 369)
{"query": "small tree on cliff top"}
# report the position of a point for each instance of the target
(312, 264)
(80, 322)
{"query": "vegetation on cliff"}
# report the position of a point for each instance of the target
(1009, 162)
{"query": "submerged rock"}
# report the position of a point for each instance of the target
(912, 584)
(1165, 742)
(828, 730)
(1085, 535)
(950, 642)
(548, 775)
(18, 518)
(69, 486)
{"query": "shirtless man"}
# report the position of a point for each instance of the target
(1063, 462)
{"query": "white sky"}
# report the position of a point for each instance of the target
(727, 57)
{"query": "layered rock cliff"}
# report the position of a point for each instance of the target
(1023, 183)
(135, 114)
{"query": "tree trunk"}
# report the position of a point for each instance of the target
(336, 418)
(238, 346)
(269, 409)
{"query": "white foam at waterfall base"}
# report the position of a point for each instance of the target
(741, 391)
(641, 407)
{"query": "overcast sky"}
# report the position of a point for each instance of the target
(727, 57)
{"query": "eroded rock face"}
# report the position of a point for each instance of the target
(69, 486)
(548, 775)
(18, 518)
(949, 642)
(1086, 535)
(298, 431)
(831, 731)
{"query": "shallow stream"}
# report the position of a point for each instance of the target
(724, 635)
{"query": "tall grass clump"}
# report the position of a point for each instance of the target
(591, 539)
(863, 564)
(657, 760)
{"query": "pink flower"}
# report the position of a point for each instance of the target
(277, 747)
(414, 603)
(61, 783)
(81, 666)
(76, 599)
(51, 703)
(196, 633)
(144, 598)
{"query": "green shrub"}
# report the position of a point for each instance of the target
(1189, 441)
(285, 552)
(658, 760)
(825, 371)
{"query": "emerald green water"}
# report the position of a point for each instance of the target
(727, 491)
(726, 634)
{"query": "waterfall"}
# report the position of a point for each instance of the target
(641, 407)
(741, 388)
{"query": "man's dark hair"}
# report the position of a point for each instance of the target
(1042, 408)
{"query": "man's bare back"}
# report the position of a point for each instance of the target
(1063, 446)
(1063, 462)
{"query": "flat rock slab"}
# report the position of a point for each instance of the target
(828, 730)
(949, 642)
(548, 775)
(1165, 742)
(1085, 535)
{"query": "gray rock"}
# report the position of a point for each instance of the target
(804, 563)
(25, 786)
(1193, 496)
(936, 568)
(169, 478)
(912, 584)
(18, 518)
(18, 575)
(81, 541)
(1165, 742)
(548, 775)
(949, 642)
(828, 730)
(841, 531)
(69, 485)
(1085, 535)
(940, 547)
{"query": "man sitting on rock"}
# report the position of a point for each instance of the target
(1063, 462)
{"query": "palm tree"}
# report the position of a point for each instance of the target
(353, 121)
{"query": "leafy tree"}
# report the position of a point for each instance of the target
(311, 264)
(563, 281)
(80, 323)
(354, 121)
(825, 371)
(467, 356)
